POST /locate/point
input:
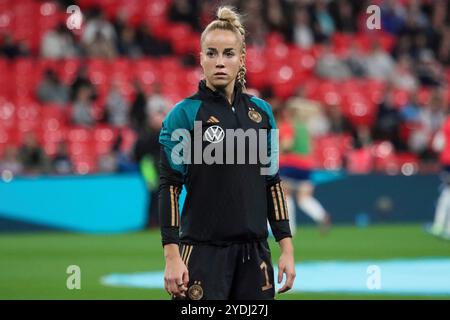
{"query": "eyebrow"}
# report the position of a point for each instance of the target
(226, 49)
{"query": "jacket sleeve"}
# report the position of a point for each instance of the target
(174, 131)
(277, 210)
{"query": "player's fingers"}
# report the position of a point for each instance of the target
(290, 276)
(173, 287)
(186, 277)
(280, 273)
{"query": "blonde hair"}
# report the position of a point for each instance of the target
(229, 19)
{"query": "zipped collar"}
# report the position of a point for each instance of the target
(208, 93)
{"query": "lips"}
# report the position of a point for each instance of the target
(220, 74)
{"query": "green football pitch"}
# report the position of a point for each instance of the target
(33, 265)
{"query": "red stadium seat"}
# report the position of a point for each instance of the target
(360, 161)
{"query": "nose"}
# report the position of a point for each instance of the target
(219, 62)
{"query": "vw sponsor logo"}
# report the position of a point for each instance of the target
(214, 134)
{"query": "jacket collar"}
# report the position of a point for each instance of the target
(211, 94)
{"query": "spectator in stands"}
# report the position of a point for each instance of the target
(138, 112)
(146, 155)
(403, 76)
(82, 81)
(156, 102)
(8, 47)
(429, 71)
(52, 90)
(356, 62)
(380, 64)
(59, 43)
(98, 27)
(276, 17)
(362, 136)
(329, 66)
(127, 44)
(392, 16)
(149, 45)
(10, 161)
(116, 107)
(61, 163)
(32, 156)
(444, 48)
(11, 49)
(101, 47)
(184, 11)
(107, 163)
(324, 23)
(388, 121)
(303, 35)
(411, 111)
(338, 124)
(343, 16)
(82, 113)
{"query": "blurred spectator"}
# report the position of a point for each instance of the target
(411, 111)
(10, 161)
(58, 43)
(52, 90)
(97, 27)
(150, 45)
(276, 12)
(82, 112)
(127, 44)
(156, 102)
(8, 47)
(380, 64)
(11, 49)
(146, 154)
(388, 121)
(32, 156)
(116, 107)
(343, 14)
(338, 124)
(101, 47)
(61, 163)
(392, 16)
(356, 62)
(107, 163)
(138, 112)
(429, 71)
(362, 137)
(303, 35)
(184, 11)
(82, 81)
(329, 66)
(403, 76)
(324, 23)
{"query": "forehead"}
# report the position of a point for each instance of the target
(221, 39)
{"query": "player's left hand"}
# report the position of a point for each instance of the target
(286, 266)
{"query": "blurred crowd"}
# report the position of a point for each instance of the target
(418, 58)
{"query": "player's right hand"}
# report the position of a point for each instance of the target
(176, 277)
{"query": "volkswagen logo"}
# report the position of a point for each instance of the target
(214, 134)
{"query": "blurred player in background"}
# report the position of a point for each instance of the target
(296, 164)
(219, 249)
(441, 143)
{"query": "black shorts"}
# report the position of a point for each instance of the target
(234, 272)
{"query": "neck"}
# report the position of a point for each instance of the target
(227, 91)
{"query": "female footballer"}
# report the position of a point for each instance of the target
(218, 248)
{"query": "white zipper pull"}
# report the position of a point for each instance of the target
(234, 110)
